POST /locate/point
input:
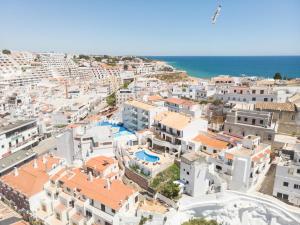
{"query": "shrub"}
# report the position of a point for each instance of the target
(200, 221)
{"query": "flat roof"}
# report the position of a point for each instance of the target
(15, 159)
(141, 105)
(194, 156)
(14, 125)
(173, 119)
(276, 106)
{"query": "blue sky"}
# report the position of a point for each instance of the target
(152, 27)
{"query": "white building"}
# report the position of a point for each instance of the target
(198, 175)
(17, 135)
(80, 143)
(287, 178)
(139, 115)
(124, 95)
(94, 195)
(172, 130)
(243, 166)
(183, 106)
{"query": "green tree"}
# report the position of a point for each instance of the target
(6, 51)
(200, 221)
(111, 99)
(86, 57)
(277, 76)
(170, 190)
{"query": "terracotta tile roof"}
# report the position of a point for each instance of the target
(100, 163)
(96, 188)
(173, 120)
(275, 106)
(22, 222)
(154, 98)
(30, 180)
(211, 142)
(179, 101)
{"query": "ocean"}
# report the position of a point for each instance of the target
(209, 66)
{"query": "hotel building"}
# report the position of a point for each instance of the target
(139, 115)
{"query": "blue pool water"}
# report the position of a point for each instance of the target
(143, 155)
(122, 131)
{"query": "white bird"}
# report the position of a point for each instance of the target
(216, 15)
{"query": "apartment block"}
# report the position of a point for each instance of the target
(138, 115)
(17, 135)
(242, 166)
(23, 186)
(76, 197)
(171, 130)
(124, 95)
(240, 123)
(287, 177)
(183, 106)
(198, 175)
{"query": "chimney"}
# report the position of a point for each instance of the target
(35, 165)
(107, 184)
(16, 171)
(90, 178)
(44, 159)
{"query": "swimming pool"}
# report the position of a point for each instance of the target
(143, 155)
(121, 131)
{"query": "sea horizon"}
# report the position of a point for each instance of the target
(210, 66)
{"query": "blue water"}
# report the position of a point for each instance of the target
(143, 155)
(209, 66)
(122, 131)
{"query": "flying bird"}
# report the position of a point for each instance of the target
(216, 15)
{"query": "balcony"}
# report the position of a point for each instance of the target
(99, 213)
(24, 144)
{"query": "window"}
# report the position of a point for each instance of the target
(218, 167)
(204, 148)
(261, 122)
(113, 211)
(265, 99)
(187, 172)
(297, 186)
(253, 91)
(261, 92)
(253, 121)
(103, 207)
(136, 199)
(245, 119)
(57, 216)
(243, 133)
(214, 151)
(253, 99)
(269, 137)
(285, 184)
(298, 170)
(229, 130)
(239, 118)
